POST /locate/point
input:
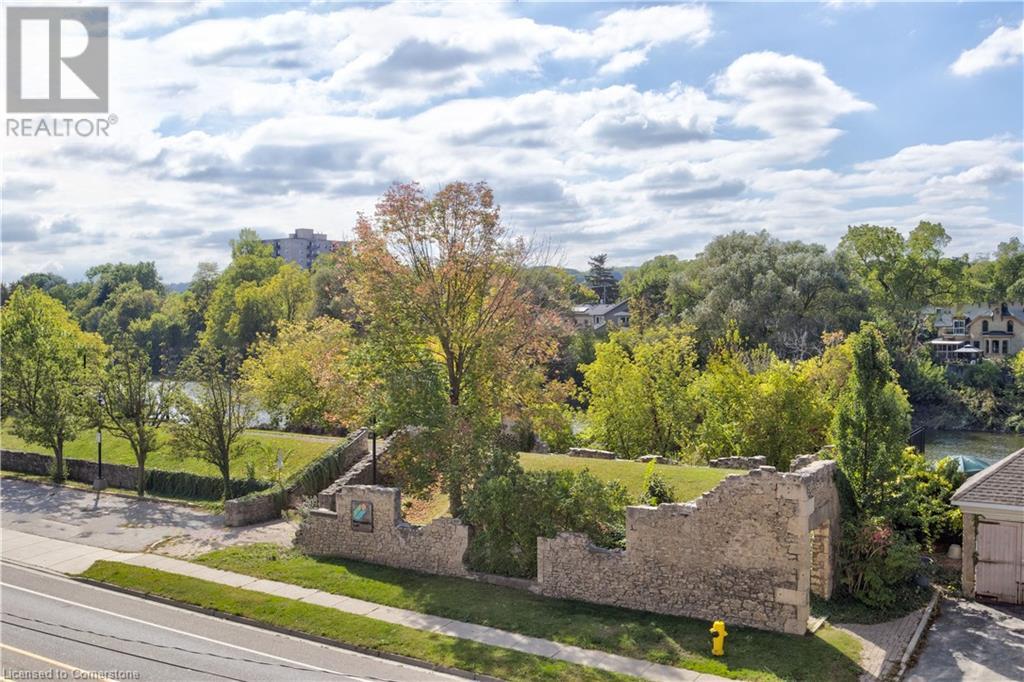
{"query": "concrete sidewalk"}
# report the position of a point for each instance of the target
(69, 557)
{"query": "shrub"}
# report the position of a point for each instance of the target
(656, 489)
(921, 499)
(876, 563)
(510, 508)
(925, 381)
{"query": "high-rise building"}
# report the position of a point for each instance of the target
(303, 246)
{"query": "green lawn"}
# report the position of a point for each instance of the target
(302, 449)
(682, 642)
(349, 628)
(689, 482)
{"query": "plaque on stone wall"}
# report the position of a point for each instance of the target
(362, 516)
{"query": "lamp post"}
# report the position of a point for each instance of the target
(373, 450)
(99, 483)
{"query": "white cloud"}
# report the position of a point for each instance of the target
(784, 93)
(301, 119)
(1002, 48)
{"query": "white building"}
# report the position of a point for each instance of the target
(303, 246)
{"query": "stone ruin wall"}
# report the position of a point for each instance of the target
(435, 548)
(743, 552)
(740, 553)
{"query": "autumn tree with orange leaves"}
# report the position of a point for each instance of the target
(455, 340)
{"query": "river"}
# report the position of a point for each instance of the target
(990, 447)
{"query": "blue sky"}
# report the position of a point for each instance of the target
(633, 129)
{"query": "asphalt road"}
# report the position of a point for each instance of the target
(51, 623)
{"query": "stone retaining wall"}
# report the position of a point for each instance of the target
(267, 505)
(591, 453)
(436, 548)
(738, 462)
(81, 470)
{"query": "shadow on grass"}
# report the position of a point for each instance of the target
(681, 642)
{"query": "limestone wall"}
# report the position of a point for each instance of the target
(435, 548)
(740, 553)
(819, 476)
(743, 552)
(738, 462)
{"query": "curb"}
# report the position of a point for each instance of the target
(926, 618)
(397, 658)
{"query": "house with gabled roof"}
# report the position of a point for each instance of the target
(992, 503)
(971, 332)
(598, 315)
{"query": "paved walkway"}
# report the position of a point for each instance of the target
(972, 642)
(122, 523)
(883, 644)
(69, 557)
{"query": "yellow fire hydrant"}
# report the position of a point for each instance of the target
(718, 635)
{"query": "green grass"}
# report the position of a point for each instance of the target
(116, 450)
(689, 482)
(348, 628)
(682, 642)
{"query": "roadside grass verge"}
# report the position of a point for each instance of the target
(214, 507)
(301, 451)
(689, 482)
(681, 642)
(347, 628)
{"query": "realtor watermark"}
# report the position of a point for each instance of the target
(58, 62)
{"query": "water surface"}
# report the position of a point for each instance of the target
(990, 447)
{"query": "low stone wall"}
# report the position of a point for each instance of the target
(738, 462)
(81, 470)
(436, 548)
(591, 453)
(824, 522)
(267, 505)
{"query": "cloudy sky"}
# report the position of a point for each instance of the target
(632, 129)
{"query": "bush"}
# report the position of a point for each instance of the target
(921, 502)
(656, 489)
(510, 508)
(925, 381)
(876, 563)
(196, 487)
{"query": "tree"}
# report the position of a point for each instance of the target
(291, 292)
(440, 279)
(133, 405)
(212, 424)
(871, 422)
(1001, 278)
(637, 391)
(48, 362)
(601, 279)
(299, 375)
(647, 288)
(903, 275)
(241, 306)
(784, 294)
(330, 280)
(753, 403)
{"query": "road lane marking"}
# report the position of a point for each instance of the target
(189, 634)
(49, 661)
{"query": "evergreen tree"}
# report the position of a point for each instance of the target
(872, 420)
(601, 279)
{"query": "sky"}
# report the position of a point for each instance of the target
(630, 129)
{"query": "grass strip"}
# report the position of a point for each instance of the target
(351, 629)
(830, 653)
